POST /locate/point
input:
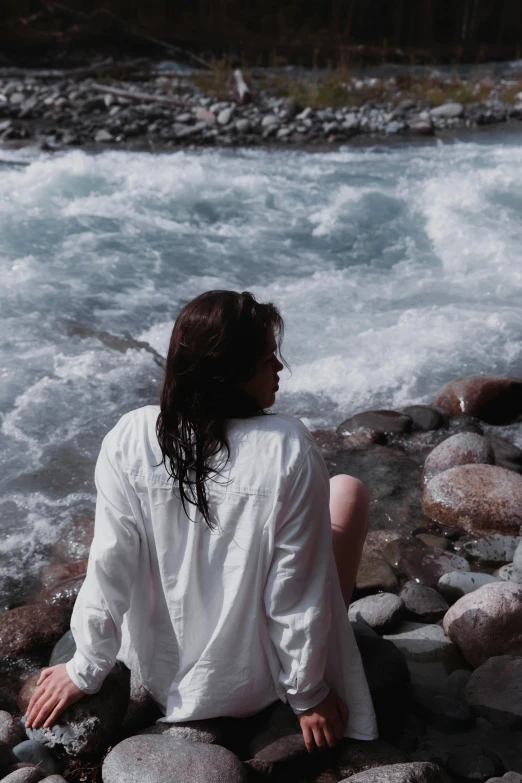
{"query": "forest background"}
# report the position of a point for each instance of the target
(270, 32)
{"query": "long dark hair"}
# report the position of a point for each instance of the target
(216, 343)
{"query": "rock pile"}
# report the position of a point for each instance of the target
(437, 616)
(157, 110)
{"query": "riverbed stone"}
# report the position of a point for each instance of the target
(33, 629)
(517, 564)
(382, 421)
(25, 775)
(424, 418)
(422, 643)
(471, 763)
(63, 593)
(495, 690)
(208, 732)
(493, 399)
(508, 777)
(374, 575)
(446, 712)
(463, 448)
(142, 711)
(455, 584)
(10, 729)
(494, 549)
(53, 574)
(487, 622)
(411, 772)
(382, 612)
(447, 111)
(37, 754)
(157, 759)
(353, 756)
(437, 542)
(507, 455)
(423, 602)
(395, 550)
(87, 727)
(480, 499)
(506, 573)
(76, 545)
(426, 566)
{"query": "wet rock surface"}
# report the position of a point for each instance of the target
(461, 449)
(493, 399)
(87, 726)
(157, 759)
(413, 772)
(495, 690)
(487, 622)
(381, 612)
(31, 629)
(423, 603)
(426, 566)
(479, 499)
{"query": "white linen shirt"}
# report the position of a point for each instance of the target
(223, 622)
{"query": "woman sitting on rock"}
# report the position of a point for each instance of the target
(212, 572)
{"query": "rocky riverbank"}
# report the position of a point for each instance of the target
(437, 616)
(160, 109)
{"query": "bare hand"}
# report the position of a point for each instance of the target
(55, 692)
(323, 725)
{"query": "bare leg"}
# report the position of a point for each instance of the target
(349, 501)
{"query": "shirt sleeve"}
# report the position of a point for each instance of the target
(298, 588)
(105, 595)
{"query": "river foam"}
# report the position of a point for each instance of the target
(395, 269)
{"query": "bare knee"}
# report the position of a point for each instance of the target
(351, 489)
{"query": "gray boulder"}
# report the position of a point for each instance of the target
(461, 449)
(157, 759)
(423, 603)
(423, 643)
(37, 754)
(413, 772)
(509, 777)
(471, 763)
(495, 690)
(382, 612)
(456, 584)
(494, 549)
(26, 775)
(88, 726)
(10, 730)
(487, 622)
(447, 111)
(517, 565)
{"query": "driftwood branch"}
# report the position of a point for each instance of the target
(242, 88)
(141, 97)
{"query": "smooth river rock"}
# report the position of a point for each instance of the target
(29, 630)
(37, 754)
(494, 549)
(493, 399)
(426, 566)
(487, 622)
(381, 612)
(495, 690)
(479, 499)
(25, 775)
(424, 418)
(464, 448)
(423, 602)
(382, 421)
(413, 772)
(423, 643)
(517, 564)
(455, 584)
(10, 729)
(157, 759)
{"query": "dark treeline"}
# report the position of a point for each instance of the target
(299, 31)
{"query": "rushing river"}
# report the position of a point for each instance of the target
(395, 269)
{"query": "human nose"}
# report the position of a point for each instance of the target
(279, 365)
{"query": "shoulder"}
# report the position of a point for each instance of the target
(268, 449)
(132, 435)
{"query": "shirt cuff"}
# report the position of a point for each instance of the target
(85, 676)
(300, 702)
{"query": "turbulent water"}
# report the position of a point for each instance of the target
(395, 269)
